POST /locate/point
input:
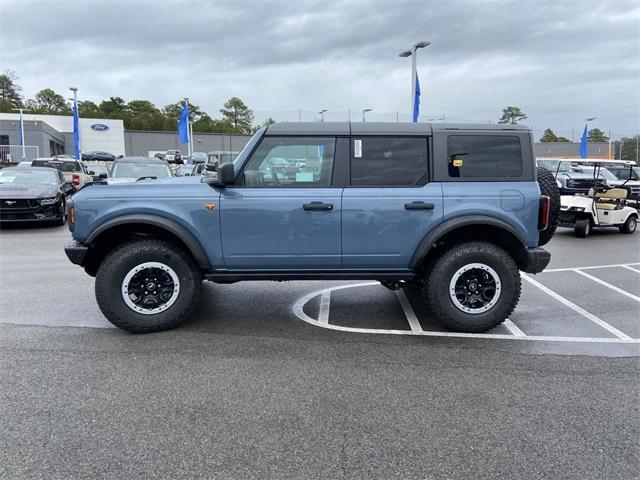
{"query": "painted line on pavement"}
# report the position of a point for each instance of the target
(631, 268)
(325, 303)
(576, 308)
(571, 269)
(513, 328)
(608, 285)
(408, 312)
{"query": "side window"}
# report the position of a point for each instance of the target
(389, 161)
(291, 162)
(477, 156)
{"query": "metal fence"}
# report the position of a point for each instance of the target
(12, 154)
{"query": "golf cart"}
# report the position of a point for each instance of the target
(603, 205)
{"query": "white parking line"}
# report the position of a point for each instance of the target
(325, 303)
(298, 310)
(408, 311)
(630, 268)
(513, 328)
(608, 285)
(577, 308)
(571, 269)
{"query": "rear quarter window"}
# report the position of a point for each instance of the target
(484, 156)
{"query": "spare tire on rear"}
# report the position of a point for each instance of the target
(549, 187)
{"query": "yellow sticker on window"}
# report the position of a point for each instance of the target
(457, 162)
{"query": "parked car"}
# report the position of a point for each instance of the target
(199, 157)
(33, 194)
(98, 171)
(184, 171)
(454, 211)
(98, 156)
(132, 169)
(24, 164)
(160, 156)
(75, 172)
(173, 156)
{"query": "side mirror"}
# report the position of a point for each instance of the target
(226, 175)
(103, 175)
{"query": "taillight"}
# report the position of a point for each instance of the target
(543, 214)
(75, 180)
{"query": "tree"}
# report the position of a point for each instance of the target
(88, 109)
(563, 139)
(268, 121)
(512, 115)
(238, 115)
(596, 135)
(48, 102)
(629, 148)
(10, 98)
(548, 136)
(143, 115)
(115, 107)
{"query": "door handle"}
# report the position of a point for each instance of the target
(418, 206)
(318, 206)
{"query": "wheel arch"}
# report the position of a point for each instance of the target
(127, 227)
(469, 228)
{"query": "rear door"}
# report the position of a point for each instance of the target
(390, 204)
(284, 214)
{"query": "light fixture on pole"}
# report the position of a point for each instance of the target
(413, 53)
(321, 112)
(364, 112)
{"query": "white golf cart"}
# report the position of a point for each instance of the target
(603, 206)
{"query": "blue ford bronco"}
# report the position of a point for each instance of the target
(454, 211)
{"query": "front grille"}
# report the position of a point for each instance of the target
(18, 203)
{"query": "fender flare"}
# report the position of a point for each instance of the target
(170, 226)
(437, 233)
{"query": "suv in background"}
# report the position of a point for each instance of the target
(75, 172)
(455, 211)
(133, 169)
(96, 156)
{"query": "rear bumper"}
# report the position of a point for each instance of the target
(535, 260)
(76, 253)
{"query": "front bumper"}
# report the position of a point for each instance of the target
(76, 253)
(535, 260)
(27, 210)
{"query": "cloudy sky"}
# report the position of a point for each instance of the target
(560, 61)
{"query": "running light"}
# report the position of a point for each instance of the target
(543, 214)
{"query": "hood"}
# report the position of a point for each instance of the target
(111, 180)
(22, 190)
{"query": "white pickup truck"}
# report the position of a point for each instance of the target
(75, 172)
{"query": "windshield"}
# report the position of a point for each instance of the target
(184, 170)
(97, 169)
(602, 172)
(59, 165)
(31, 177)
(553, 165)
(137, 170)
(625, 173)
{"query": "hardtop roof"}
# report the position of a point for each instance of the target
(381, 128)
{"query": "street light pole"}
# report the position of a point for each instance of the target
(363, 114)
(413, 53)
(76, 124)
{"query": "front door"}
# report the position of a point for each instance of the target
(284, 214)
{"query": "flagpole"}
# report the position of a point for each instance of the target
(24, 148)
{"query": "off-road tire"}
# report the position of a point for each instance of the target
(62, 212)
(630, 225)
(436, 292)
(115, 266)
(582, 228)
(549, 187)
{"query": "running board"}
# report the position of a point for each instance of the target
(231, 277)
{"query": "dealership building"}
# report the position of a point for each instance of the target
(47, 135)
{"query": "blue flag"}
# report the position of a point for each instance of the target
(416, 100)
(183, 125)
(583, 143)
(76, 132)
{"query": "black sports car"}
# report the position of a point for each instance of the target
(33, 194)
(98, 156)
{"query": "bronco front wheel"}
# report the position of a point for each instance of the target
(147, 286)
(473, 287)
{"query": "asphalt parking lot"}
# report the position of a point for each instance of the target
(322, 379)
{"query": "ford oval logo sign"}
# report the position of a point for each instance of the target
(100, 127)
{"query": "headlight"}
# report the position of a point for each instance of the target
(48, 201)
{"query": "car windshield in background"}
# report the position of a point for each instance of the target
(625, 173)
(553, 165)
(31, 177)
(137, 170)
(589, 171)
(68, 167)
(97, 169)
(184, 170)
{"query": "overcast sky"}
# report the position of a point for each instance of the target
(560, 61)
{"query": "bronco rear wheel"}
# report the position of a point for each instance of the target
(147, 286)
(473, 287)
